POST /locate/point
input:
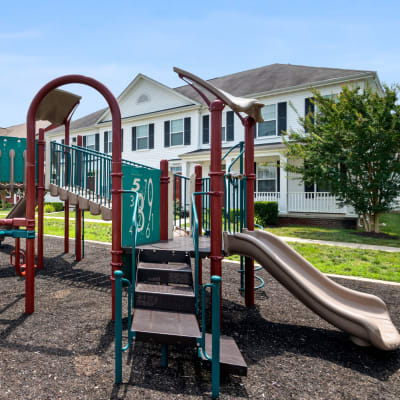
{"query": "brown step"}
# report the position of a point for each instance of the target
(165, 327)
(165, 273)
(165, 297)
(231, 359)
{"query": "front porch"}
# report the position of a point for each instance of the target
(304, 202)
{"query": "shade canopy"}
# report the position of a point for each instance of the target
(251, 107)
(57, 106)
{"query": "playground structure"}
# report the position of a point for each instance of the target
(164, 300)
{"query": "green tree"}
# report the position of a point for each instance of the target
(351, 143)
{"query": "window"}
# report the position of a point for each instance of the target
(91, 142)
(176, 169)
(142, 137)
(108, 142)
(268, 127)
(266, 178)
(227, 129)
(176, 132)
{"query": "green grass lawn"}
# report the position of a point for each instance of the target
(392, 227)
(352, 262)
(72, 215)
(93, 230)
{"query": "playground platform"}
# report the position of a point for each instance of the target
(65, 350)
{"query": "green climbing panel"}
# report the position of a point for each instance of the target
(19, 146)
(146, 182)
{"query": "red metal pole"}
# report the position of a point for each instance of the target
(116, 251)
(199, 206)
(215, 174)
(40, 189)
(249, 124)
(66, 202)
(78, 218)
(164, 182)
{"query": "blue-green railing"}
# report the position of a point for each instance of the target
(119, 281)
(205, 209)
(181, 201)
(215, 285)
(85, 172)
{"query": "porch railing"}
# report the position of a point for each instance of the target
(323, 202)
(267, 196)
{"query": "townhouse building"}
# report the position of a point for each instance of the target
(159, 122)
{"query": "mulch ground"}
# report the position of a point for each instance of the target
(65, 349)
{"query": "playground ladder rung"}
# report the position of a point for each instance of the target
(165, 297)
(166, 327)
(231, 359)
(165, 273)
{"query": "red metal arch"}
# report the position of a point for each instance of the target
(30, 179)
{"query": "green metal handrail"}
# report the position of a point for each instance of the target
(215, 286)
(180, 200)
(195, 236)
(231, 149)
(119, 280)
(84, 171)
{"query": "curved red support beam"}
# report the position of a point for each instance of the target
(30, 175)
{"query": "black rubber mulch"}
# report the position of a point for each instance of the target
(65, 349)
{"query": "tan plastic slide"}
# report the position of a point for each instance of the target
(365, 317)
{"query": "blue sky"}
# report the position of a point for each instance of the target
(112, 41)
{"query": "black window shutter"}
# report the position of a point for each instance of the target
(105, 142)
(255, 129)
(186, 131)
(206, 129)
(230, 126)
(278, 177)
(122, 140)
(84, 141)
(62, 141)
(97, 141)
(151, 136)
(309, 108)
(133, 138)
(282, 117)
(166, 133)
(255, 182)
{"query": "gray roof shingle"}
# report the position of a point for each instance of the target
(271, 77)
(257, 80)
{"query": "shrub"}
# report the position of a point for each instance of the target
(58, 206)
(55, 207)
(266, 212)
(49, 208)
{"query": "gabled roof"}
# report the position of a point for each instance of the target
(143, 77)
(84, 122)
(274, 77)
(269, 78)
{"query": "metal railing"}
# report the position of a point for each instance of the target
(181, 201)
(205, 210)
(83, 171)
(119, 280)
(215, 286)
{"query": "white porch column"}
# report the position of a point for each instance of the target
(185, 168)
(283, 201)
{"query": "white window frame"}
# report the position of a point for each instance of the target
(275, 179)
(268, 120)
(92, 146)
(143, 137)
(176, 169)
(109, 140)
(177, 132)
